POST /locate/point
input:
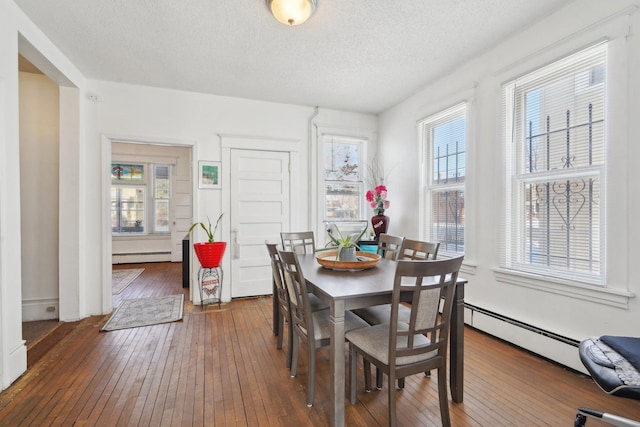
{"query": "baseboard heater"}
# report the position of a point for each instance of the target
(523, 325)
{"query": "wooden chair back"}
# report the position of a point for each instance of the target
(389, 246)
(301, 242)
(418, 250)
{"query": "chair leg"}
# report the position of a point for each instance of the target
(294, 356)
(442, 395)
(290, 344)
(311, 383)
(392, 400)
(367, 375)
(378, 379)
(401, 383)
(353, 358)
(280, 331)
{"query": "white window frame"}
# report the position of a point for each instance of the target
(361, 142)
(430, 187)
(154, 199)
(518, 177)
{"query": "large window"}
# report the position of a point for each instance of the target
(444, 143)
(343, 180)
(555, 131)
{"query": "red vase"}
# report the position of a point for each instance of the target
(210, 254)
(380, 223)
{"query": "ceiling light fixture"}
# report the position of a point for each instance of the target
(292, 12)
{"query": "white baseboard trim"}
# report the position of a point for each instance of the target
(40, 309)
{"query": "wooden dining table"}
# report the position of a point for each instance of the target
(349, 290)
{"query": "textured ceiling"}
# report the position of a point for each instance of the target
(353, 55)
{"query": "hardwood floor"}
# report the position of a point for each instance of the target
(221, 367)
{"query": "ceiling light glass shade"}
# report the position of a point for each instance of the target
(292, 12)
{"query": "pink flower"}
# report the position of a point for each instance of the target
(377, 199)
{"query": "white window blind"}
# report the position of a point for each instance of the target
(444, 142)
(554, 123)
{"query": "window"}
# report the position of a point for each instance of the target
(343, 181)
(130, 198)
(444, 143)
(127, 209)
(161, 198)
(555, 132)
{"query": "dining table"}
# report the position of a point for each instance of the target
(344, 290)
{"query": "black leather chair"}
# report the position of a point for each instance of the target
(614, 364)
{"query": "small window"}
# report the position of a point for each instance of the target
(343, 185)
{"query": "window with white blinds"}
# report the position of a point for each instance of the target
(444, 144)
(554, 123)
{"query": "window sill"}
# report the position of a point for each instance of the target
(155, 236)
(606, 296)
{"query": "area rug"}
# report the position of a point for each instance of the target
(134, 313)
(120, 279)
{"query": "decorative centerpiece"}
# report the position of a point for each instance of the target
(344, 246)
(377, 199)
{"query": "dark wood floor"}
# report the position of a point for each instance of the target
(220, 367)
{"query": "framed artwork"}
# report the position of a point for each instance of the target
(209, 174)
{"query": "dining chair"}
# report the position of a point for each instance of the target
(301, 242)
(282, 296)
(389, 246)
(309, 327)
(402, 349)
(410, 249)
(418, 249)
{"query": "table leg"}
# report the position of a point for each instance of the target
(456, 337)
(337, 364)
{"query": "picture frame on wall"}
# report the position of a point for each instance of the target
(209, 174)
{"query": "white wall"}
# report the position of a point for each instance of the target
(39, 166)
(137, 113)
(571, 310)
(18, 34)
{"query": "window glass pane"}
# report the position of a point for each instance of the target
(447, 225)
(161, 182)
(449, 151)
(127, 215)
(343, 186)
(342, 200)
(342, 161)
(162, 216)
(559, 224)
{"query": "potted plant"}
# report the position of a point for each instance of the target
(345, 246)
(209, 253)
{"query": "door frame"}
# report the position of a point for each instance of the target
(297, 198)
(106, 141)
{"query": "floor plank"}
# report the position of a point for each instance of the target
(220, 366)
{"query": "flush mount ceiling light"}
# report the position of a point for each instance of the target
(292, 12)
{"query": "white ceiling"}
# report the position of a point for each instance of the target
(353, 55)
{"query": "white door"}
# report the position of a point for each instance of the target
(259, 212)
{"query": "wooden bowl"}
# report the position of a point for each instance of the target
(365, 260)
